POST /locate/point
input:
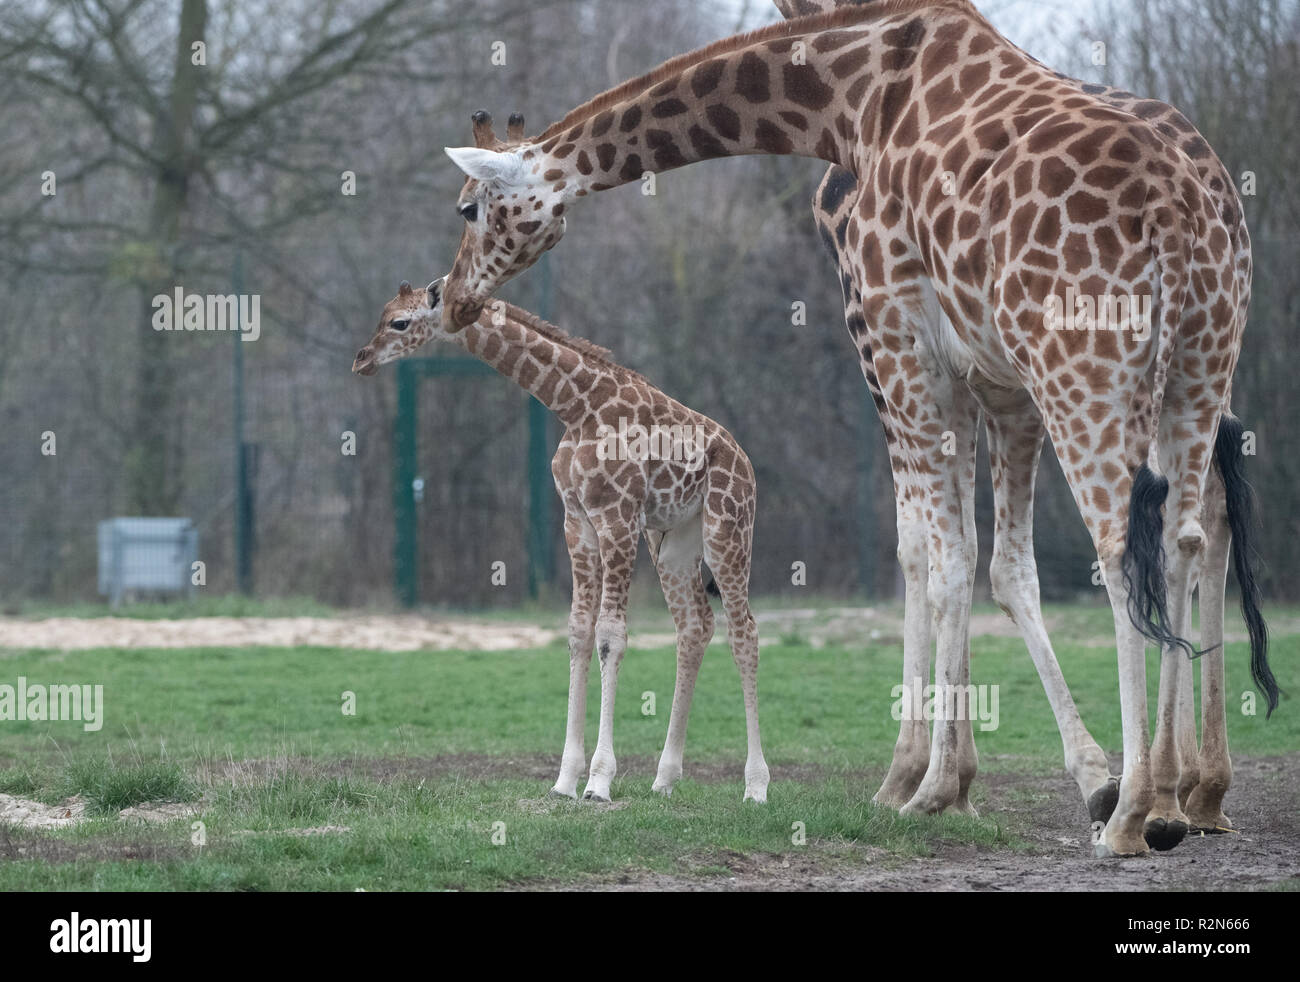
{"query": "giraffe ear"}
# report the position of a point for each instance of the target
(434, 292)
(489, 166)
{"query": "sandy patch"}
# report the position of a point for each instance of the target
(373, 633)
(35, 815)
(817, 627)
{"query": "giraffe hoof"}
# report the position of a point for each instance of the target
(592, 796)
(664, 789)
(1102, 802)
(1162, 835)
(1101, 850)
(557, 793)
(1218, 826)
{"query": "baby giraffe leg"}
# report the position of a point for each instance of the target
(584, 557)
(617, 556)
(728, 534)
(678, 563)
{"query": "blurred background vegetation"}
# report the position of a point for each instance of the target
(174, 174)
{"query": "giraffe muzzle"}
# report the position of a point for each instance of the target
(364, 364)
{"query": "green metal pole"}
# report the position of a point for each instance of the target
(405, 542)
(243, 557)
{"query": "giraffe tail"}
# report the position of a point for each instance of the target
(1144, 561)
(1144, 553)
(710, 584)
(1240, 500)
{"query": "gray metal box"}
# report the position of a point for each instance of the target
(146, 554)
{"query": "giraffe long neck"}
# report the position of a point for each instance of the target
(824, 86)
(558, 370)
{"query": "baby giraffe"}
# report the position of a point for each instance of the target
(632, 460)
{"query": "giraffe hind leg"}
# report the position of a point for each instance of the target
(728, 537)
(677, 560)
(1015, 432)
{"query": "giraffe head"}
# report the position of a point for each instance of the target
(409, 320)
(512, 215)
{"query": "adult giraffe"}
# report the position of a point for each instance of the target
(1015, 438)
(1054, 193)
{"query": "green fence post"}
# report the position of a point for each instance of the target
(405, 532)
(243, 494)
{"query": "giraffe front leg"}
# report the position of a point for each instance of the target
(942, 476)
(611, 642)
(912, 748)
(942, 784)
(617, 554)
(584, 558)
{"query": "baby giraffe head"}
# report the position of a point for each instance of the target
(409, 320)
(512, 215)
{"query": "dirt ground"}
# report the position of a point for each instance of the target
(1044, 811)
(1262, 805)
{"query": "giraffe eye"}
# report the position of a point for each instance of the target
(400, 323)
(469, 212)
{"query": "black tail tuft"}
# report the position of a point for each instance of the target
(710, 584)
(1144, 561)
(1240, 498)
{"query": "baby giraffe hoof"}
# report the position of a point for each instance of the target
(557, 793)
(758, 795)
(1102, 802)
(1125, 847)
(1101, 850)
(1163, 834)
(1211, 826)
(664, 789)
(593, 796)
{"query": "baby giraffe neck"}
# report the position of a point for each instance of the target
(552, 369)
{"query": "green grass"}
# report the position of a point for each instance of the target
(109, 786)
(180, 723)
